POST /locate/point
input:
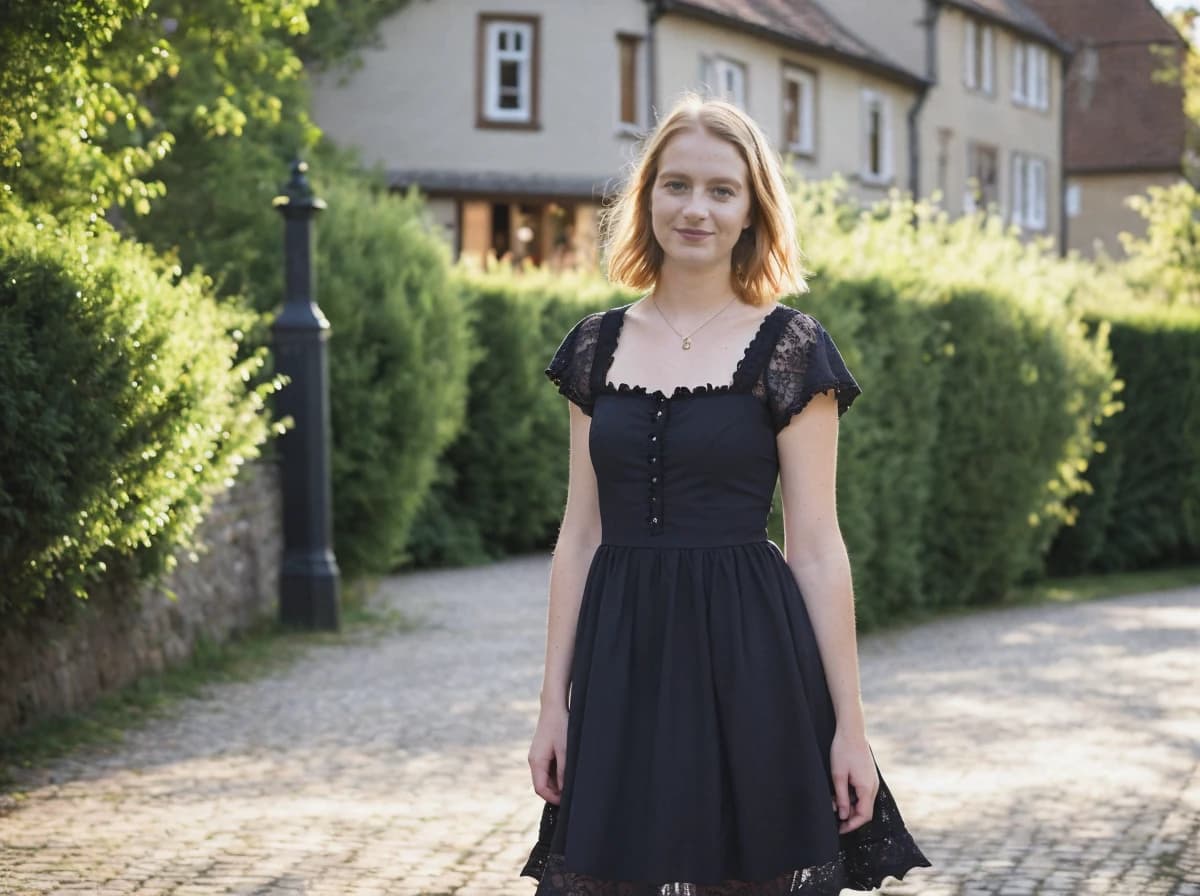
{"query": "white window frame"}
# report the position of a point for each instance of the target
(493, 56)
(1031, 75)
(725, 79)
(979, 74)
(870, 97)
(1029, 191)
(806, 82)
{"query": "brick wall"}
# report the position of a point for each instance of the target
(62, 667)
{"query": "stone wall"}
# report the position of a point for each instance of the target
(60, 667)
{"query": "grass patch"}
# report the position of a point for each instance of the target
(1063, 590)
(269, 647)
(1091, 587)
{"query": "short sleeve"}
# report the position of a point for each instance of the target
(806, 362)
(571, 366)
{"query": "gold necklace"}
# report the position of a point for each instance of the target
(687, 340)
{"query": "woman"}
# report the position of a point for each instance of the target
(701, 728)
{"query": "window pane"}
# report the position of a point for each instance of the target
(517, 41)
(628, 75)
(791, 112)
(510, 74)
(503, 39)
(876, 140)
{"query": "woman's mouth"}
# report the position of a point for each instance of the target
(692, 234)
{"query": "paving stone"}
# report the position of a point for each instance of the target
(1036, 750)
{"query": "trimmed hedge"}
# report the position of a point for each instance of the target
(123, 408)
(399, 357)
(502, 484)
(1143, 509)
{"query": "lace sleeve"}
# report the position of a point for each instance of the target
(571, 367)
(806, 362)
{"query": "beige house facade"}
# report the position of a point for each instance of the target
(537, 107)
(990, 130)
(517, 119)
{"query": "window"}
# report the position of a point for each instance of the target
(799, 103)
(724, 79)
(877, 138)
(507, 78)
(1031, 75)
(979, 67)
(1028, 191)
(629, 96)
(983, 186)
(1074, 201)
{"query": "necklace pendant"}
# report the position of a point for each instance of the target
(687, 342)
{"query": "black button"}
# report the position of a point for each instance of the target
(653, 459)
(653, 437)
(654, 479)
(658, 413)
(654, 520)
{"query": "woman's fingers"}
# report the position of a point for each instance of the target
(545, 784)
(863, 805)
(841, 794)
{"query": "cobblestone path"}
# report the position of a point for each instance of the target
(1048, 750)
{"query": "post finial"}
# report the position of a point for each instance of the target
(297, 192)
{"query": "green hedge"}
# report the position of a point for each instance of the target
(399, 357)
(1143, 509)
(501, 485)
(123, 408)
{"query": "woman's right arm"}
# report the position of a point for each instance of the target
(578, 538)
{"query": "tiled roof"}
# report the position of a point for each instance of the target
(1106, 20)
(1118, 117)
(803, 22)
(1017, 14)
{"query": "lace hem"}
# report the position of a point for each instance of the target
(865, 858)
(863, 867)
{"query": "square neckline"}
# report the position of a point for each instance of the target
(609, 387)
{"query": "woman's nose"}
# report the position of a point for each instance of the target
(695, 207)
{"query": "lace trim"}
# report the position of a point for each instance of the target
(845, 872)
(736, 384)
(570, 367)
(844, 392)
(865, 858)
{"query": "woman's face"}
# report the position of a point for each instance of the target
(700, 200)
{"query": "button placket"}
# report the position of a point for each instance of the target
(654, 443)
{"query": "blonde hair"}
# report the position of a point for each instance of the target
(765, 261)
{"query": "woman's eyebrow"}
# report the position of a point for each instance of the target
(711, 180)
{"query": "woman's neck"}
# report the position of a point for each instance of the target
(694, 290)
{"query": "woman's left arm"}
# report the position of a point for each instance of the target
(816, 553)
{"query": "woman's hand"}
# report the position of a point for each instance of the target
(853, 765)
(548, 753)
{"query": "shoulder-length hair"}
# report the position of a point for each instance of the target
(765, 262)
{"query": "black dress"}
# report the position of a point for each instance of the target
(699, 718)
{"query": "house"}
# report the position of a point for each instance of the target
(989, 132)
(517, 118)
(1125, 131)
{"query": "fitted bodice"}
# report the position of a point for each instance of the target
(696, 467)
(693, 471)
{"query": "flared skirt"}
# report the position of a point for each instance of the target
(698, 738)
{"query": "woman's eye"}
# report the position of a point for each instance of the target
(672, 184)
(724, 192)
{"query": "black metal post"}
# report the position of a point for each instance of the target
(308, 584)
